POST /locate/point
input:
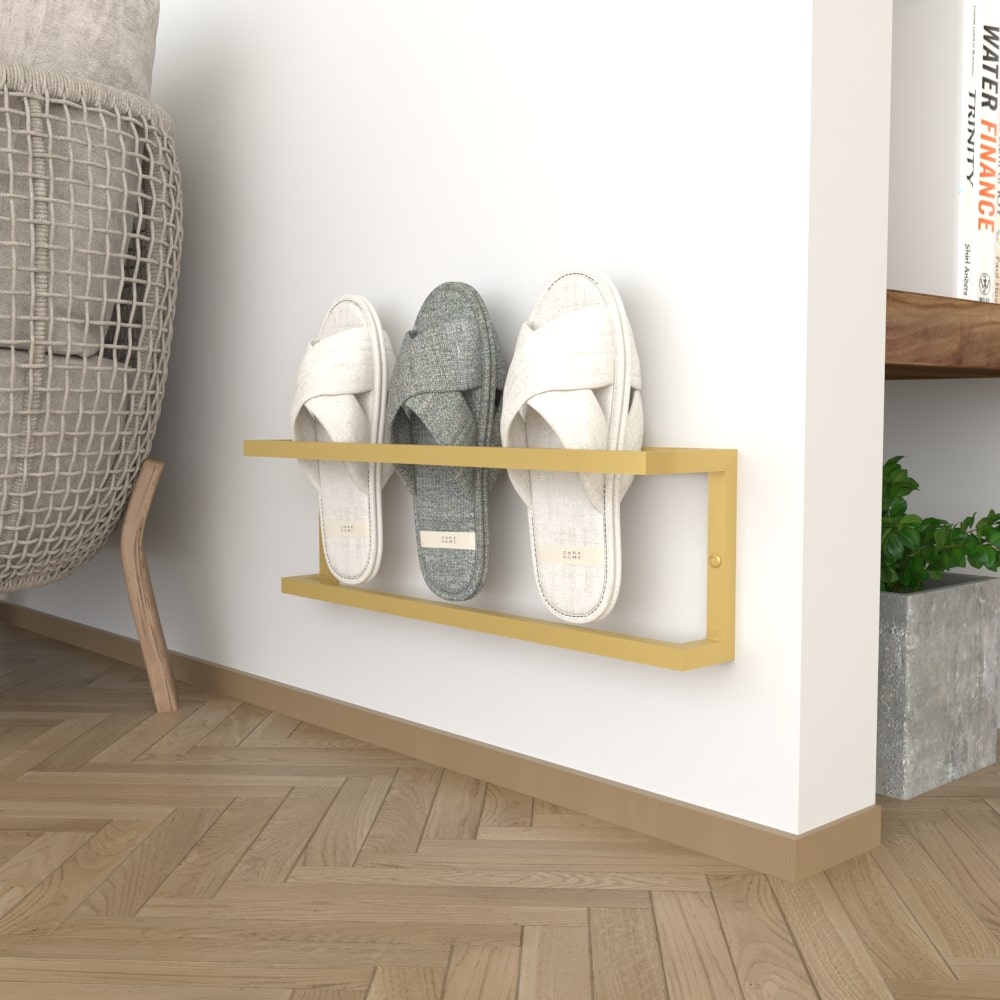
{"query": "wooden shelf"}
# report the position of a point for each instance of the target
(928, 336)
(718, 646)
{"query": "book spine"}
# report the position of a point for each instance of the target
(966, 249)
(987, 133)
(933, 174)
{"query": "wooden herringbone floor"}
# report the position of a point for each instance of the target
(227, 853)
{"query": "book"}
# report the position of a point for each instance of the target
(933, 186)
(987, 79)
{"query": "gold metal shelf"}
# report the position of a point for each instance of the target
(718, 646)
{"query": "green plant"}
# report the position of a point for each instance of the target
(916, 549)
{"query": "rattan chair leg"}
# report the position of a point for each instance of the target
(140, 589)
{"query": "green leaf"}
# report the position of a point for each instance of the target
(894, 547)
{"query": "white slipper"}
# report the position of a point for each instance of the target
(340, 396)
(574, 382)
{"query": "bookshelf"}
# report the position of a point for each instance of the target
(928, 336)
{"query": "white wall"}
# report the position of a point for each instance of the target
(732, 189)
(946, 432)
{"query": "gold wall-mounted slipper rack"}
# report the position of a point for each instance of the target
(718, 646)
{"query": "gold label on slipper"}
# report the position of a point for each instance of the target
(570, 555)
(347, 529)
(448, 540)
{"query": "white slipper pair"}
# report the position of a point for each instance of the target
(340, 395)
(574, 382)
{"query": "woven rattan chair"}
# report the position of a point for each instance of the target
(90, 236)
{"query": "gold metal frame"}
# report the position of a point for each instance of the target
(718, 646)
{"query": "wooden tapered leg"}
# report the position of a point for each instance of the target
(140, 589)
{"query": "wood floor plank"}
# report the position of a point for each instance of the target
(12, 842)
(259, 924)
(420, 983)
(192, 730)
(77, 701)
(504, 807)
(311, 895)
(398, 827)
(555, 964)
(548, 814)
(56, 896)
(566, 855)
(128, 887)
(327, 994)
(393, 904)
(543, 808)
(924, 807)
(142, 944)
(477, 973)
(275, 852)
(765, 957)
(304, 758)
(840, 965)
(94, 671)
(979, 784)
(341, 833)
(24, 717)
(235, 727)
(57, 991)
(62, 812)
(34, 751)
(185, 773)
(918, 990)
(977, 969)
(14, 738)
(897, 943)
(945, 917)
(306, 734)
(15, 677)
(273, 726)
(138, 740)
(113, 675)
(569, 834)
(27, 682)
(323, 993)
(209, 863)
(513, 878)
(456, 809)
(33, 823)
(124, 788)
(36, 862)
(79, 751)
(964, 865)
(982, 826)
(693, 949)
(624, 956)
(122, 970)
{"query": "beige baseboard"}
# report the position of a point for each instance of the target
(728, 838)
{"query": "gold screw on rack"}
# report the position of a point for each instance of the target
(715, 560)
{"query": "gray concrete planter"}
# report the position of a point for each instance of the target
(937, 684)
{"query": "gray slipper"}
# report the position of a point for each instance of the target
(446, 390)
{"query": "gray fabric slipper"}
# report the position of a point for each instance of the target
(446, 390)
